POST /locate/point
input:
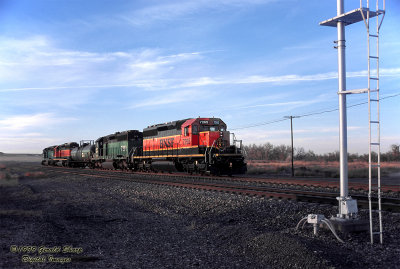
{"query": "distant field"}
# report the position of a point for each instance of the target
(320, 169)
(8, 157)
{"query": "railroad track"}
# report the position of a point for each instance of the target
(193, 182)
(310, 182)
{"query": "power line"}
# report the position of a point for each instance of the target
(259, 124)
(358, 104)
(310, 114)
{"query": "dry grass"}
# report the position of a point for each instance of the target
(11, 172)
(357, 169)
(7, 179)
(8, 157)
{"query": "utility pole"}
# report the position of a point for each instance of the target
(291, 132)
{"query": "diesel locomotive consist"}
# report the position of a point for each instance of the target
(198, 145)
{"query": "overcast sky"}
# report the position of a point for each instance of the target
(73, 70)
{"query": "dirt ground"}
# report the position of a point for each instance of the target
(50, 220)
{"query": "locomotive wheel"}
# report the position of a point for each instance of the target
(124, 165)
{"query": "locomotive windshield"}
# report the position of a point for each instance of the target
(212, 128)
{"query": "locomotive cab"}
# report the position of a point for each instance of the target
(209, 136)
(48, 155)
(205, 133)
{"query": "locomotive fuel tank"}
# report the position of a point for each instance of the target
(164, 165)
(109, 164)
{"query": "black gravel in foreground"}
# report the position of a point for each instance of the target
(119, 224)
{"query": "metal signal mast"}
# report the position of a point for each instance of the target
(348, 206)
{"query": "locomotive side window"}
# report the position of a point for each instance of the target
(204, 128)
(186, 131)
(195, 130)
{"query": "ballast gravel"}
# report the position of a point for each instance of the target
(121, 224)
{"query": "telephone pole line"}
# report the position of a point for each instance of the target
(291, 131)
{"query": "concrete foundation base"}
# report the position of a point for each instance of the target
(349, 225)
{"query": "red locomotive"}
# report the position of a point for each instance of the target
(58, 155)
(193, 145)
